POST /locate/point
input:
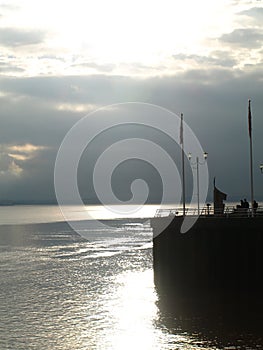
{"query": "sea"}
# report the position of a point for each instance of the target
(61, 289)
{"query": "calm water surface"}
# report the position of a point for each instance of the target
(61, 291)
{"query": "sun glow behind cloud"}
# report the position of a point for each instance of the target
(120, 36)
(135, 30)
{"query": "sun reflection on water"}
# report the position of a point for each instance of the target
(133, 312)
(133, 315)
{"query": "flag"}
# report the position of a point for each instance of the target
(181, 131)
(219, 198)
(249, 119)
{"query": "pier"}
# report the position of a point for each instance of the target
(221, 255)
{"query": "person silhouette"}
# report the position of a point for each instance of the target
(246, 204)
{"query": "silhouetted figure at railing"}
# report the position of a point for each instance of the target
(243, 208)
(241, 204)
(246, 204)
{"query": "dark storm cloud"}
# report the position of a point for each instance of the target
(30, 120)
(244, 37)
(214, 102)
(95, 89)
(11, 37)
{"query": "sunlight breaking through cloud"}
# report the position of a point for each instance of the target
(13, 156)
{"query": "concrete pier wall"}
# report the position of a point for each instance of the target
(217, 256)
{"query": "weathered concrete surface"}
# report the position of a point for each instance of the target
(218, 256)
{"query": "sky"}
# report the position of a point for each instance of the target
(60, 61)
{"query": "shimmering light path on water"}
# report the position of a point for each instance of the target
(59, 291)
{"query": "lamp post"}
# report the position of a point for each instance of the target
(197, 163)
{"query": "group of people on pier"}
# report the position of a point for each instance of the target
(244, 205)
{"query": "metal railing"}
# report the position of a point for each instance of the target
(229, 211)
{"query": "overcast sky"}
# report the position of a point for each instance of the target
(60, 61)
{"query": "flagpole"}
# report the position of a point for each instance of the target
(183, 172)
(251, 157)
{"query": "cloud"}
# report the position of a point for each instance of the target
(91, 90)
(11, 37)
(8, 167)
(8, 7)
(215, 58)
(6, 67)
(27, 148)
(98, 67)
(213, 100)
(29, 179)
(51, 57)
(76, 107)
(16, 171)
(12, 153)
(18, 156)
(249, 38)
(24, 152)
(255, 13)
